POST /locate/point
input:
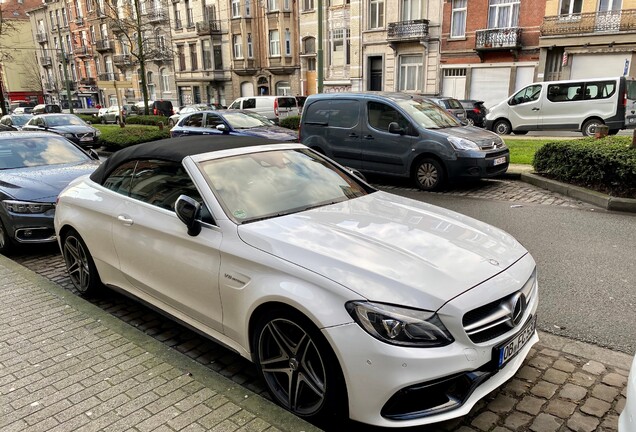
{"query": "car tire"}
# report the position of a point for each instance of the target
(103, 121)
(170, 123)
(520, 132)
(290, 353)
(589, 127)
(6, 243)
(470, 122)
(80, 265)
(429, 174)
(502, 127)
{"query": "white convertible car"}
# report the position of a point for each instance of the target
(349, 300)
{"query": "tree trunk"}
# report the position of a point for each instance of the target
(141, 57)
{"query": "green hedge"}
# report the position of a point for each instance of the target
(607, 165)
(291, 122)
(114, 137)
(146, 120)
(87, 118)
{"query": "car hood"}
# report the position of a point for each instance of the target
(389, 249)
(44, 183)
(481, 137)
(272, 132)
(72, 129)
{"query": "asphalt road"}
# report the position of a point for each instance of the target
(586, 261)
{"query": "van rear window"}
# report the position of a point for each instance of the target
(287, 102)
(631, 89)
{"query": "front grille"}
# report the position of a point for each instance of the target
(499, 317)
(495, 155)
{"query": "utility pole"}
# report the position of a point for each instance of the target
(320, 61)
(64, 67)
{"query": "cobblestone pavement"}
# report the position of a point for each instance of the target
(564, 385)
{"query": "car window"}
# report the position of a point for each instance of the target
(155, 182)
(454, 104)
(63, 120)
(195, 120)
(380, 115)
(343, 113)
(212, 121)
(38, 151)
(427, 114)
(236, 105)
(249, 103)
(287, 102)
(267, 184)
(527, 94)
(603, 90)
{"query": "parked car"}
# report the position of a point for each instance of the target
(627, 419)
(22, 110)
(162, 108)
(186, 110)
(16, 121)
(452, 105)
(475, 112)
(401, 135)
(25, 106)
(113, 114)
(231, 122)
(272, 107)
(68, 125)
(301, 102)
(349, 300)
(47, 109)
(34, 168)
(571, 105)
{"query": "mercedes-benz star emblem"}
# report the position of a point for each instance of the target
(517, 307)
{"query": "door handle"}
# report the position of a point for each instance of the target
(353, 135)
(125, 220)
(535, 109)
(368, 137)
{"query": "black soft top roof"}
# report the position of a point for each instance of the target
(174, 150)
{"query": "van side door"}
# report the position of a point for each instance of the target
(526, 108)
(566, 106)
(384, 151)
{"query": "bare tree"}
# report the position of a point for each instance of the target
(6, 28)
(138, 25)
(31, 72)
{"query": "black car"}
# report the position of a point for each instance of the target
(34, 168)
(162, 108)
(475, 112)
(14, 121)
(68, 125)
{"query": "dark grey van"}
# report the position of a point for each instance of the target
(402, 135)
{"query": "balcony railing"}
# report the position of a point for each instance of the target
(592, 22)
(42, 37)
(209, 27)
(123, 59)
(156, 15)
(87, 81)
(46, 61)
(102, 45)
(62, 58)
(81, 51)
(79, 21)
(414, 29)
(498, 38)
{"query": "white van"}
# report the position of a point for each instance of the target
(573, 105)
(272, 107)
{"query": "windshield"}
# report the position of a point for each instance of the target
(38, 151)
(267, 184)
(239, 120)
(64, 120)
(427, 114)
(20, 120)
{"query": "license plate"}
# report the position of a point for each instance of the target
(86, 139)
(512, 347)
(499, 161)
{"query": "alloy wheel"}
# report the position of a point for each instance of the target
(292, 366)
(427, 175)
(77, 263)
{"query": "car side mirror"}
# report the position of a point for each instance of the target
(93, 154)
(356, 173)
(187, 210)
(395, 128)
(222, 128)
(88, 122)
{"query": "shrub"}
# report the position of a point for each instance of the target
(146, 120)
(87, 118)
(114, 137)
(606, 165)
(291, 122)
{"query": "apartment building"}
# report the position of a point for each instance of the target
(200, 42)
(587, 39)
(81, 15)
(490, 48)
(264, 41)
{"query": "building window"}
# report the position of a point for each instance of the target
(236, 8)
(206, 52)
(250, 46)
(189, 15)
(218, 56)
(178, 25)
(410, 71)
(237, 41)
(193, 57)
(274, 43)
(286, 5)
(272, 5)
(503, 13)
(248, 8)
(340, 47)
(283, 88)
(309, 45)
(308, 5)
(181, 55)
(411, 10)
(288, 50)
(165, 80)
(458, 18)
(376, 14)
(569, 7)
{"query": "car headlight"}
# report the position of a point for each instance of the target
(25, 207)
(462, 143)
(399, 325)
(68, 135)
(98, 132)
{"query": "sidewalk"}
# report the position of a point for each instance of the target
(67, 365)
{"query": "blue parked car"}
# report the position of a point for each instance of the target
(231, 122)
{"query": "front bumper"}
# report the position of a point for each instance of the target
(381, 377)
(479, 165)
(30, 228)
